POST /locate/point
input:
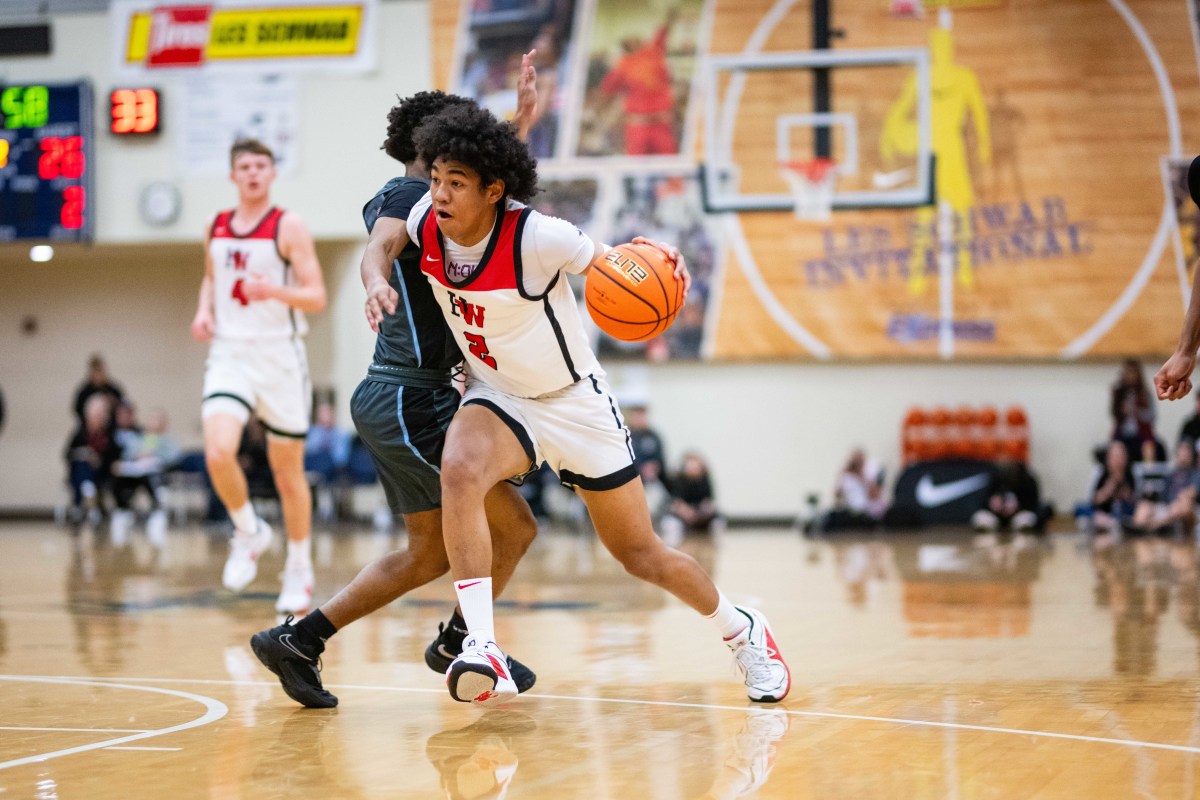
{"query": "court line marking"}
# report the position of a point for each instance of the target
(74, 730)
(960, 726)
(214, 710)
(119, 747)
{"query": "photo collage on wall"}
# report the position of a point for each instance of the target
(616, 81)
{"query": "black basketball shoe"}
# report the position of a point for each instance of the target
(448, 646)
(296, 663)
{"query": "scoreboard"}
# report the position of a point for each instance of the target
(46, 162)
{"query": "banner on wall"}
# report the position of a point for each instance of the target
(1059, 230)
(337, 35)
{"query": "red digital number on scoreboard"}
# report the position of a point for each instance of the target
(74, 200)
(62, 157)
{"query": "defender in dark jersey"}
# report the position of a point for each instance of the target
(402, 410)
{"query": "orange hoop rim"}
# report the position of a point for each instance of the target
(815, 170)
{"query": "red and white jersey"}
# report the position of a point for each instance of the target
(236, 257)
(511, 309)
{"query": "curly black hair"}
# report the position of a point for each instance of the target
(472, 136)
(407, 115)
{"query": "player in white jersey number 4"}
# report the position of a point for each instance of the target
(535, 392)
(260, 275)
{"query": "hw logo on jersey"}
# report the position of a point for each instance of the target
(472, 315)
(238, 260)
(632, 270)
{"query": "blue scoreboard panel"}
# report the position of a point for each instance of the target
(46, 162)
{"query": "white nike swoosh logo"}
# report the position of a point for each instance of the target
(441, 648)
(430, 257)
(890, 180)
(931, 495)
(286, 641)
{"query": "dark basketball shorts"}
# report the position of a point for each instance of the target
(404, 429)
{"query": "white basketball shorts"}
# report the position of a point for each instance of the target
(578, 431)
(267, 377)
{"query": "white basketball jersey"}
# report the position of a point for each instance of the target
(236, 257)
(511, 309)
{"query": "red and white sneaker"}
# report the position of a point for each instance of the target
(480, 675)
(767, 676)
(244, 549)
(296, 594)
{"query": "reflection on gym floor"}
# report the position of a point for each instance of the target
(925, 665)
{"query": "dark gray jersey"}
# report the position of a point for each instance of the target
(416, 335)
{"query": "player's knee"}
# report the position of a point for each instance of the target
(219, 454)
(291, 486)
(462, 474)
(645, 563)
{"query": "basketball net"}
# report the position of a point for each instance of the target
(811, 182)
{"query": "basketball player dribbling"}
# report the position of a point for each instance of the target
(402, 410)
(261, 275)
(535, 392)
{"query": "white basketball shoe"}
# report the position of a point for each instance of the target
(296, 596)
(244, 550)
(767, 676)
(480, 675)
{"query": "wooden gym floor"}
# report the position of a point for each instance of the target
(924, 666)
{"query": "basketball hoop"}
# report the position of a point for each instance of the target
(811, 182)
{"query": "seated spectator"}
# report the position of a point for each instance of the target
(1112, 499)
(327, 448)
(1132, 410)
(858, 499)
(1013, 501)
(693, 507)
(90, 454)
(648, 455)
(859, 489)
(97, 382)
(146, 455)
(159, 445)
(1177, 502)
(326, 455)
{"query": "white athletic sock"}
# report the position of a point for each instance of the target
(475, 600)
(245, 521)
(728, 619)
(299, 554)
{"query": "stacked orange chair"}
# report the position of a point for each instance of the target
(1015, 444)
(965, 432)
(912, 436)
(987, 440)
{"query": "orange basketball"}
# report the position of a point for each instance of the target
(632, 293)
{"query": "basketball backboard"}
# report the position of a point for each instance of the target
(876, 124)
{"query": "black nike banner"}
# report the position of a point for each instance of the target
(931, 492)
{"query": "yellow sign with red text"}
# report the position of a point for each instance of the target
(200, 36)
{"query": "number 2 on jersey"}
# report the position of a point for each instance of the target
(479, 349)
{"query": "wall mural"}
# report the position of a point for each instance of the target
(1059, 134)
